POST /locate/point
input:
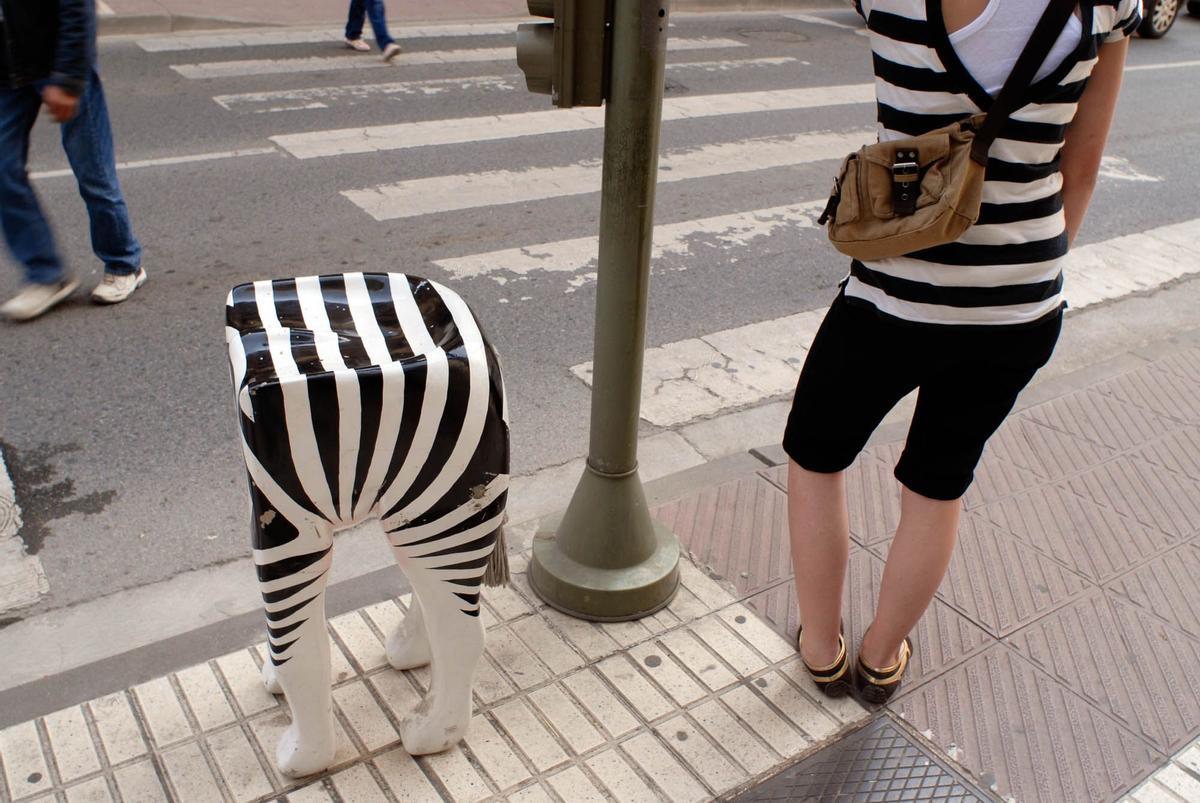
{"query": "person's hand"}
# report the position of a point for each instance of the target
(61, 104)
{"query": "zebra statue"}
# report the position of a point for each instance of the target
(367, 396)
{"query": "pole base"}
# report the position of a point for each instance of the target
(605, 559)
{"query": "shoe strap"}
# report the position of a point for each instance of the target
(839, 665)
(891, 674)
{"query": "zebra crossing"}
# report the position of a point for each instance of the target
(786, 126)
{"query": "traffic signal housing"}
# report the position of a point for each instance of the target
(568, 58)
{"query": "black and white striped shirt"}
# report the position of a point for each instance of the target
(1006, 269)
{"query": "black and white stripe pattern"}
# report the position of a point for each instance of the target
(1007, 269)
(366, 396)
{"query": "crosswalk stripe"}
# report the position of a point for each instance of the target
(700, 377)
(220, 41)
(1168, 65)
(249, 67)
(736, 230)
(167, 160)
(285, 100)
(450, 193)
(339, 142)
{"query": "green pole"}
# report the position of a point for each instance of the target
(606, 559)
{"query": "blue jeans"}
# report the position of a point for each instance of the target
(87, 140)
(373, 9)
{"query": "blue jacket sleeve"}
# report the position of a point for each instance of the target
(73, 58)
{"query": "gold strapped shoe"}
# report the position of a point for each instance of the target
(876, 686)
(832, 680)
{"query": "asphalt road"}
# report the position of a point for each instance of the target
(117, 423)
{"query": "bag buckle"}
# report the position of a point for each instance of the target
(906, 182)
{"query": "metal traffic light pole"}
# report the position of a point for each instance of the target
(606, 559)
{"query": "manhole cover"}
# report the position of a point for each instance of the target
(878, 764)
(773, 36)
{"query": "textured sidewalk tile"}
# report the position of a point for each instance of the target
(1157, 389)
(1095, 541)
(24, 763)
(705, 588)
(722, 641)
(452, 769)
(676, 783)
(397, 693)
(359, 785)
(74, 755)
(529, 735)
(567, 718)
(699, 659)
(366, 718)
(1179, 782)
(640, 693)
(782, 736)
(365, 648)
(139, 783)
(571, 784)
(626, 634)
(667, 673)
(587, 637)
(1100, 419)
(245, 682)
(762, 638)
(602, 704)
(724, 729)
(1047, 452)
(877, 763)
(494, 754)
(490, 684)
(93, 791)
(205, 696)
(1150, 494)
(386, 616)
(313, 793)
(1011, 724)
(531, 794)
(119, 732)
(997, 478)
(162, 712)
(404, 777)
(548, 645)
(873, 497)
(1151, 686)
(511, 656)
(700, 754)
(190, 776)
(239, 766)
(737, 531)
(803, 711)
(1178, 451)
(616, 772)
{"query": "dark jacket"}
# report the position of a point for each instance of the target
(47, 40)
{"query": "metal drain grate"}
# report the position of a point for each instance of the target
(878, 764)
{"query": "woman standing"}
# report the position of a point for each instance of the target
(361, 9)
(968, 323)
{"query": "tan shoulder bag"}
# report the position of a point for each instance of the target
(897, 197)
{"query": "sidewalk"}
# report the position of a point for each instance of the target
(1058, 663)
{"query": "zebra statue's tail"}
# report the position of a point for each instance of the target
(496, 573)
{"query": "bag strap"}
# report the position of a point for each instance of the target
(1048, 29)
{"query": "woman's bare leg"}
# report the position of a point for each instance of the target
(917, 562)
(820, 535)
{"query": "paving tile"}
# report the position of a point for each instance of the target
(24, 763)
(799, 708)
(698, 658)
(1190, 758)
(626, 634)
(1167, 587)
(93, 791)
(743, 746)
(404, 777)
(845, 710)
(723, 642)
(616, 772)
(587, 637)
(490, 684)
(700, 754)
(602, 704)
(529, 735)
(1100, 419)
(997, 478)
(762, 719)
(762, 638)
(396, 692)
(571, 784)
(1001, 602)
(357, 784)
(1178, 451)
(1181, 783)
(119, 732)
(550, 647)
(1122, 661)
(190, 776)
(494, 754)
(239, 766)
(244, 679)
(1151, 792)
(872, 498)
(366, 718)
(506, 602)
(518, 663)
(676, 783)
(386, 616)
(737, 531)
(205, 696)
(1152, 495)
(1095, 541)
(268, 727)
(686, 606)
(1048, 452)
(361, 642)
(313, 793)
(708, 590)
(74, 755)
(1157, 389)
(880, 762)
(666, 671)
(458, 776)
(1184, 363)
(534, 793)
(638, 691)
(1013, 726)
(139, 783)
(339, 665)
(162, 712)
(567, 718)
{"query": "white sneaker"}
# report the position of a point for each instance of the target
(359, 45)
(116, 288)
(36, 299)
(391, 51)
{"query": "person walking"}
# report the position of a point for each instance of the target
(968, 323)
(374, 9)
(48, 58)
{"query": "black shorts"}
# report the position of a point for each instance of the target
(863, 362)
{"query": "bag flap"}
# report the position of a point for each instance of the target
(931, 148)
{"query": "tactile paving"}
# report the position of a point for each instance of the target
(1157, 389)
(1167, 587)
(1101, 419)
(879, 764)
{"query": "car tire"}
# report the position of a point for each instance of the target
(1158, 16)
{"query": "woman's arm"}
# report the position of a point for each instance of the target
(1089, 131)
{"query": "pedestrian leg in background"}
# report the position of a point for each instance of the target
(88, 141)
(378, 16)
(25, 227)
(354, 26)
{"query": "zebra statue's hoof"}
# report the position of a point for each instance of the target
(270, 678)
(408, 650)
(423, 733)
(297, 757)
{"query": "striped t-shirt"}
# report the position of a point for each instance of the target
(1007, 268)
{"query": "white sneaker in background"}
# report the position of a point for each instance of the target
(33, 300)
(116, 288)
(358, 44)
(391, 51)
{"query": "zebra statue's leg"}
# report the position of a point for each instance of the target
(408, 644)
(293, 560)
